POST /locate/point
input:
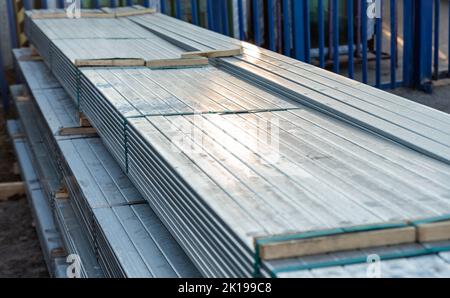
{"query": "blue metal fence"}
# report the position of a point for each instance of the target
(348, 38)
(342, 36)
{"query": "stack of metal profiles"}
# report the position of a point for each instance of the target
(195, 143)
(79, 36)
(413, 125)
(105, 218)
(46, 227)
(65, 228)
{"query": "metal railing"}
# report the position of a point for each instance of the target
(358, 38)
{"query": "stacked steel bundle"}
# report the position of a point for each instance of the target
(186, 139)
(101, 216)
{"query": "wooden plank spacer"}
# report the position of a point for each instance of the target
(177, 63)
(214, 53)
(77, 131)
(114, 62)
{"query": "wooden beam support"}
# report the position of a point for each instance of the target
(177, 63)
(438, 231)
(115, 62)
(77, 131)
(128, 11)
(84, 122)
(214, 54)
(58, 252)
(61, 14)
(62, 193)
(9, 189)
(339, 242)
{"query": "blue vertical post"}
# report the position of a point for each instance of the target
(27, 4)
(44, 4)
(97, 4)
(350, 39)
(3, 85)
(364, 40)
(147, 3)
(178, 9)
(241, 20)
(256, 28)
(163, 6)
(321, 28)
(129, 2)
(194, 9)
(225, 21)
(307, 26)
(217, 16)
(437, 9)
(393, 13)
(209, 12)
(299, 30)
(271, 29)
(423, 43)
(335, 17)
(408, 40)
(12, 24)
(286, 28)
(113, 3)
(61, 3)
(378, 45)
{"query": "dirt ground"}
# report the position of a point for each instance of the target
(20, 252)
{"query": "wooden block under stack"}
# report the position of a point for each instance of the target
(84, 122)
(19, 11)
(62, 193)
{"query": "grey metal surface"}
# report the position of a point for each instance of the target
(336, 164)
(48, 234)
(403, 121)
(103, 202)
(429, 266)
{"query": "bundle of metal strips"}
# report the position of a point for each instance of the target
(245, 165)
(72, 239)
(49, 237)
(103, 218)
(413, 125)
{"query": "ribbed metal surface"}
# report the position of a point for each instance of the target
(427, 266)
(49, 237)
(335, 163)
(106, 219)
(411, 124)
